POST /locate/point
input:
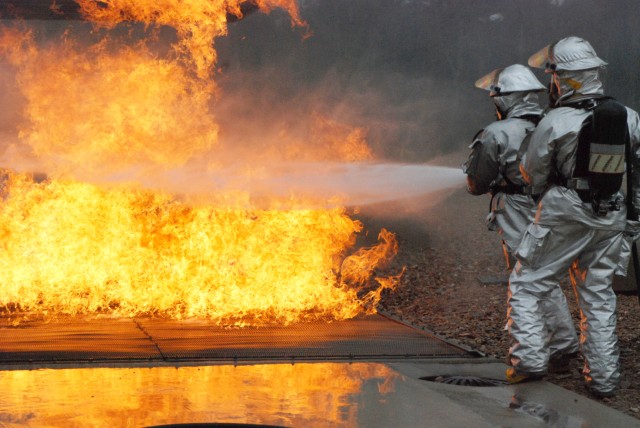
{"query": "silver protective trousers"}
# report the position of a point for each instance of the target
(512, 214)
(546, 253)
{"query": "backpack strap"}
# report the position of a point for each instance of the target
(631, 209)
(588, 103)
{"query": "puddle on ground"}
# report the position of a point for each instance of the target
(293, 395)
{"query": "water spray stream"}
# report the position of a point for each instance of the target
(350, 184)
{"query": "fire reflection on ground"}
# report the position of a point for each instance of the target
(307, 395)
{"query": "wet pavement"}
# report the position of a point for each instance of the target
(129, 340)
(359, 394)
(123, 373)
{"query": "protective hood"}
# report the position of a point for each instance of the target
(517, 104)
(573, 85)
(571, 53)
(515, 78)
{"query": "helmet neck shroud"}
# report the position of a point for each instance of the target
(568, 86)
(517, 104)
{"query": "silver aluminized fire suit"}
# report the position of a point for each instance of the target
(567, 234)
(493, 166)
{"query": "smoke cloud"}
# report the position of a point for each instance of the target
(404, 69)
(372, 81)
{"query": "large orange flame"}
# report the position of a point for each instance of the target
(74, 248)
(197, 22)
(99, 110)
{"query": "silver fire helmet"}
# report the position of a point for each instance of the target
(514, 78)
(571, 53)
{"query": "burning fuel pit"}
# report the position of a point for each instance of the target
(142, 214)
(140, 219)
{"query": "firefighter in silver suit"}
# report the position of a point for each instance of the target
(585, 237)
(493, 167)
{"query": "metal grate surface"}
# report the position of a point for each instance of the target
(148, 339)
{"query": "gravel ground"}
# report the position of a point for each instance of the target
(450, 258)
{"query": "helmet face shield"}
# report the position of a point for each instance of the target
(541, 59)
(489, 82)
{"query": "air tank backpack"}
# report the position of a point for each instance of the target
(600, 160)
